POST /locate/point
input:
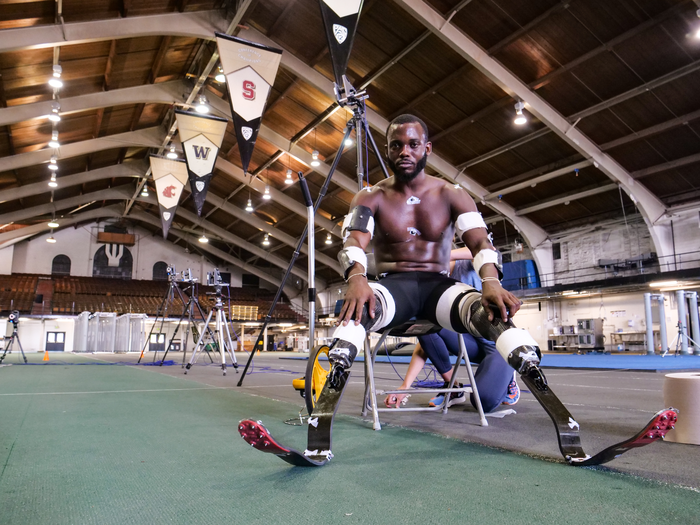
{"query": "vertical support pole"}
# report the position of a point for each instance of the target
(694, 319)
(649, 324)
(312, 276)
(265, 339)
(682, 321)
(662, 323)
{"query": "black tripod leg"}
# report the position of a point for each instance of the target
(377, 153)
(16, 336)
(158, 314)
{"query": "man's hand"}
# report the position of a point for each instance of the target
(359, 293)
(494, 293)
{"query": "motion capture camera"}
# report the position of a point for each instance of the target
(214, 278)
(187, 276)
(14, 317)
(171, 270)
(347, 94)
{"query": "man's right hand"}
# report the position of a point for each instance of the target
(359, 293)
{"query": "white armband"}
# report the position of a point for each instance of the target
(468, 221)
(484, 257)
(349, 256)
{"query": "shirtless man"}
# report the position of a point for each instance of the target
(411, 219)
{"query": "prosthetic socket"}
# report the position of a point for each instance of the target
(516, 345)
(343, 350)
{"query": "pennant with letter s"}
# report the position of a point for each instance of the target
(250, 71)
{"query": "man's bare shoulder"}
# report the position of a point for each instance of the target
(367, 197)
(458, 197)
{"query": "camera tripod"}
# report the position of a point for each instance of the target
(11, 342)
(678, 339)
(162, 312)
(221, 336)
(189, 310)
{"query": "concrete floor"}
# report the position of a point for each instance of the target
(609, 405)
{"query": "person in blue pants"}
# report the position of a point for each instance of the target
(495, 379)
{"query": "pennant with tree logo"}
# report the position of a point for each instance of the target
(201, 138)
(170, 177)
(250, 71)
(340, 18)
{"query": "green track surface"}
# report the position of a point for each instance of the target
(122, 444)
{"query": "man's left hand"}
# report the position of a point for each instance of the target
(493, 293)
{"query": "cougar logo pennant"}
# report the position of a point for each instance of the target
(170, 177)
(250, 71)
(340, 18)
(201, 138)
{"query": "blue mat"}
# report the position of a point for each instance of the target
(594, 361)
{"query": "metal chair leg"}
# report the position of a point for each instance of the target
(464, 355)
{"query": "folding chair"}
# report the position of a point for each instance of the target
(415, 328)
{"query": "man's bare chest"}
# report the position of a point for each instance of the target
(412, 217)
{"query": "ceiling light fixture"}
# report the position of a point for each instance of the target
(289, 179)
(220, 77)
(51, 240)
(663, 284)
(203, 239)
(266, 240)
(54, 116)
(315, 162)
(53, 143)
(53, 224)
(249, 206)
(520, 119)
(201, 106)
(267, 195)
(55, 81)
(328, 239)
(348, 142)
(52, 181)
(52, 163)
(144, 191)
(171, 154)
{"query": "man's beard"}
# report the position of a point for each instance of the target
(408, 177)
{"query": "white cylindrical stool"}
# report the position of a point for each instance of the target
(682, 391)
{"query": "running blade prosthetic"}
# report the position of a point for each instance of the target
(568, 429)
(320, 424)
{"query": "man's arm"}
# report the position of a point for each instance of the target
(475, 235)
(359, 291)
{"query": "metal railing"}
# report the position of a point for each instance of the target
(623, 268)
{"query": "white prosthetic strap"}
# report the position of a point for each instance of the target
(469, 221)
(483, 257)
(459, 296)
(352, 333)
(512, 339)
(388, 306)
(356, 334)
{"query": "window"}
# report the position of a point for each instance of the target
(506, 258)
(60, 265)
(556, 251)
(250, 281)
(160, 271)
